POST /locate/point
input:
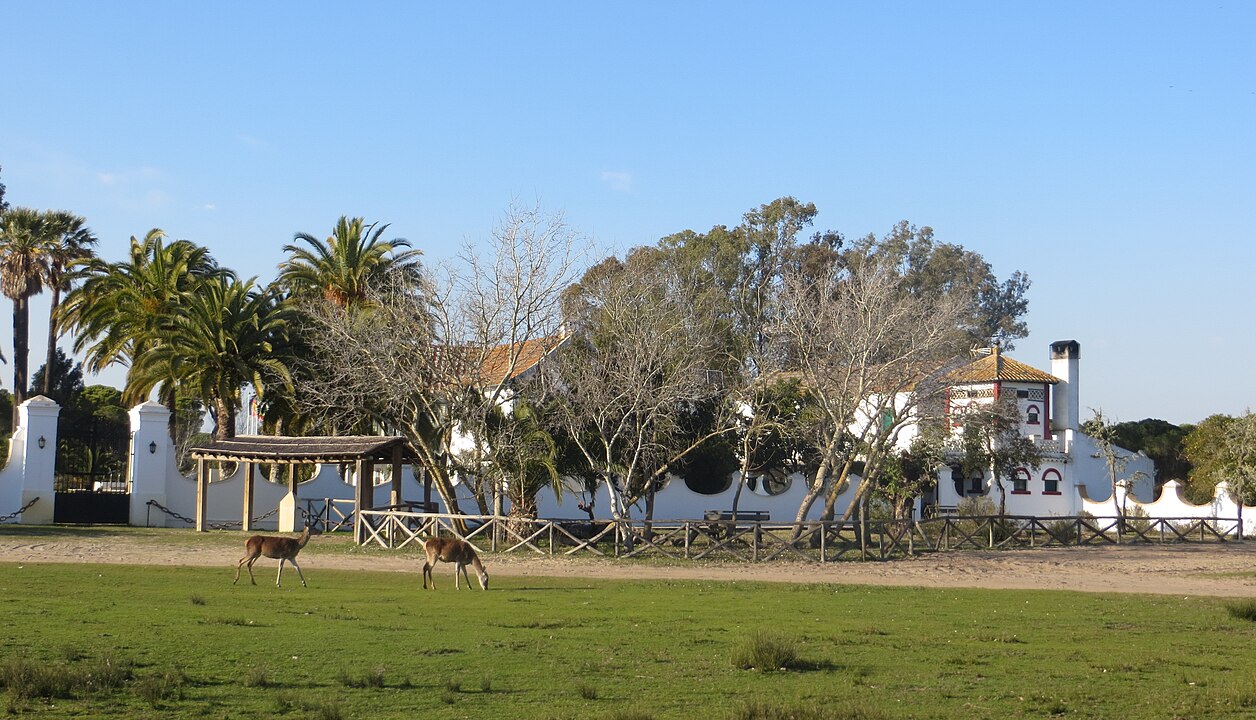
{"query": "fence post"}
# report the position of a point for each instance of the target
(754, 547)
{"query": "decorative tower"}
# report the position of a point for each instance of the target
(1065, 406)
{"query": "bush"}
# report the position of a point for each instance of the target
(1244, 610)
(765, 651)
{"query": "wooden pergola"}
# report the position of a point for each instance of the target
(363, 451)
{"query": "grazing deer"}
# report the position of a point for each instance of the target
(453, 550)
(282, 548)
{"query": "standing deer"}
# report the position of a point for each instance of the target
(282, 548)
(453, 550)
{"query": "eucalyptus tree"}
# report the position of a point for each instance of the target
(932, 268)
(342, 268)
(119, 311)
(24, 248)
(70, 245)
(224, 336)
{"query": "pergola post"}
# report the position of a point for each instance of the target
(246, 523)
(395, 500)
(202, 488)
(365, 500)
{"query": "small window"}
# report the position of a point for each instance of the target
(1023, 394)
(1051, 482)
(1020, 483)
(1031, 416)
(887, 418)
(975, 484)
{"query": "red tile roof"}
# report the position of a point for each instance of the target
(995, 367)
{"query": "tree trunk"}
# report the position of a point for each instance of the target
(52, 340)
(813, 491)
(226, 418)
(21, 348)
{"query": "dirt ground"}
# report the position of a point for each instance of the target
(1226, 570)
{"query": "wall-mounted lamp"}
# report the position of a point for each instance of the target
(152, 448)
(42, 442)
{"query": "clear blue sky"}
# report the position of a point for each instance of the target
(1107, 149)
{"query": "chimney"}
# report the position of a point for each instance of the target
(1064, 399)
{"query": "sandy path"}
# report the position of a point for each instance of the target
(1219, 570)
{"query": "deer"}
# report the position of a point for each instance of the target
(453, 550)
(282, 548)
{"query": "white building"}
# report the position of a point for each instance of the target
(1072, 468)
(1072, 477)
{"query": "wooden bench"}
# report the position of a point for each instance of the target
(729, 516)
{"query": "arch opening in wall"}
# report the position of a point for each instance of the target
(708, 483)
(770, 484)
(1032, 415)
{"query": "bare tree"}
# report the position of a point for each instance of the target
(639, 363)
(437, 358)
(505, 312)
(865, 348)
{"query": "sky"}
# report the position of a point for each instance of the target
(1107, 149)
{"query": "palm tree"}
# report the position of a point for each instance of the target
(226, 335)
(118, 311)
(23, 269)
(343, 267)
(70, 245)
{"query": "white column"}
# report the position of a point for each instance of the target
(152, 451)
(35, 451)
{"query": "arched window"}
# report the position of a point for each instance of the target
(1020, 482)
(1031, 415)
(1051, 482)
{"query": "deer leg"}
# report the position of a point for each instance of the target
(250, 567)
(463, 568)
(279, 576)
(299, 573)
(427, 572)
(238, 566)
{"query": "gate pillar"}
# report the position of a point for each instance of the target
(35, 449)
(152, 452)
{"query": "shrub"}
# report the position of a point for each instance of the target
(586, 691)
(165, 686)
(1244, 610)
(256, 677)
(765, 651)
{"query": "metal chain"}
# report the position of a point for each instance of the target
(19, 511)
(215, 526)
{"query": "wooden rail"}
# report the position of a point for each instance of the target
(750, 541)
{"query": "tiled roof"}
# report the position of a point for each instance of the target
(304, 449)
(507, 362)
(995, 367)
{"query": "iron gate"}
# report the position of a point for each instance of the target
(91, 478)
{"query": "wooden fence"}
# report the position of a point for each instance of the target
(750, 541)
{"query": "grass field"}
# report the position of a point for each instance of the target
(173, 642)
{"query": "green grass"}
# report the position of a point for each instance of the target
(108, 641)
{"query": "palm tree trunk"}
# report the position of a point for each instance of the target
(226, 417)
(52, 341)
(21, 349)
